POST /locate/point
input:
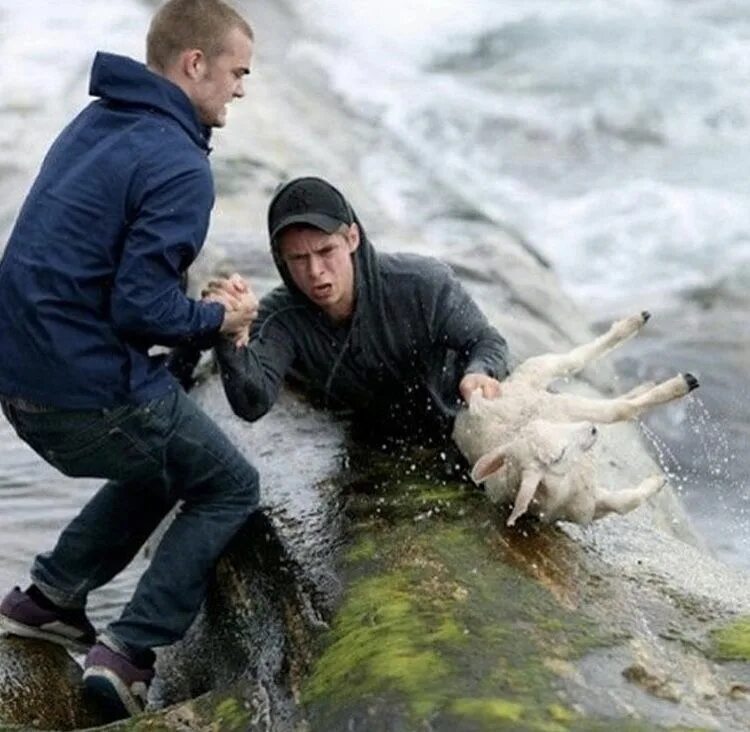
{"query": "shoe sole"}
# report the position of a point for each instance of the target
(109, 690)
(13, 627)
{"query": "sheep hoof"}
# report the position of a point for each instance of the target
(691, 381)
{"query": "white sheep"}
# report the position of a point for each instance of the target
(530, 446)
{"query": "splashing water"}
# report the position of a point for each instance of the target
(717, 498)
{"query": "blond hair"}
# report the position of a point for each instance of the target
(180, 25)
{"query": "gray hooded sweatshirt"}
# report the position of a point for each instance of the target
(396, 363)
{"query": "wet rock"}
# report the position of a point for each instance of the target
(40, 687)
(441, 618)
(275, 587)
(456, 623)
(653, 684)
(255, 629)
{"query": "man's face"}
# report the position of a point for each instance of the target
(321, 266)
(222, 79)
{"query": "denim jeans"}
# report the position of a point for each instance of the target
(154, 455)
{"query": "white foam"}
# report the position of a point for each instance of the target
(49, 47)
(645, 236)
(613, 134)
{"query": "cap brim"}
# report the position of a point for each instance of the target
(318, 220)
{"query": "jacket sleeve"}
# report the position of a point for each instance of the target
(252, 375)
(167, 232)
(457, 321)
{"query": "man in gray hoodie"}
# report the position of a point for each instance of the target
(392, 337)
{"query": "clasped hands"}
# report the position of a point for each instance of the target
(240, 306)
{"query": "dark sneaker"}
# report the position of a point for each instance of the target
(21, 614)
(120, 685)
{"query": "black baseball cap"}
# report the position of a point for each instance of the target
(310, 201)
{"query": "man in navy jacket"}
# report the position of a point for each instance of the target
(90, 280)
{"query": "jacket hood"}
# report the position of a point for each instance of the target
(120, 79)
(365, 257)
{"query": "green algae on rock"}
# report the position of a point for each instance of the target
(732, 642)
(434, 626)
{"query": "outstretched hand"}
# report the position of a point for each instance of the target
(489, 387)
(240, 306)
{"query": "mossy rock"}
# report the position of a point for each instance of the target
(732, 641)
(451, 621)
(41, 687)
(437, 627)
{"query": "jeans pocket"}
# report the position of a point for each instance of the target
(113, 454)
(60, 428)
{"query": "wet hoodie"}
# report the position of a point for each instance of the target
(413, 335)
(90, 278)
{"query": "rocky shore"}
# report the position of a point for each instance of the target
(378, 589)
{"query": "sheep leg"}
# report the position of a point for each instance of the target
(638, 390)
(673, 388)
(626, 500)
(575, 409)
(529, 484)
(540, 370)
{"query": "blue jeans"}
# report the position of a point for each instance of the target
(153, 454)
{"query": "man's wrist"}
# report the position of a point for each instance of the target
(216, 312)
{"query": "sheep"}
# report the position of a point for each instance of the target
(531, 446)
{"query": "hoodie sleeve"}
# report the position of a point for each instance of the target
(456, 320)
(168, 229)
(252, 375)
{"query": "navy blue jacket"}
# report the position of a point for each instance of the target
(413, 335)
(90, 278)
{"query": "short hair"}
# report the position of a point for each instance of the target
(180, 25)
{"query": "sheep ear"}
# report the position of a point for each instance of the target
(488, 464)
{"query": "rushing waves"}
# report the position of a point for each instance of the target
(611, 134)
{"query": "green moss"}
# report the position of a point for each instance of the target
(364, 549)
(488, 710)
(230, 715)
(409, 500)
(732, 642)
(439, 628)
(431, 493)
(383, 639)
(560, 713)
(451, 622)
